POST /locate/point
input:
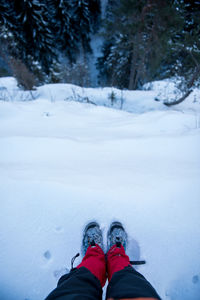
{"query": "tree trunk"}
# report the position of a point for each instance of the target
(131, 84)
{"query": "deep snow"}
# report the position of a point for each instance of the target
(64, 163)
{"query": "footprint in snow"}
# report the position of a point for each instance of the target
(59, 229)
(46, 114)
(195, 279)
(47, 254)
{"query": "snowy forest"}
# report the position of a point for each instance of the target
(53, 41)
(99, 121)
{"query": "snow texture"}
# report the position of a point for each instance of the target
(64, 163)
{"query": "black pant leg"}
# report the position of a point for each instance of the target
(79, 284)
(128, 283)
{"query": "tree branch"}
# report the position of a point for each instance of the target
(189, 91)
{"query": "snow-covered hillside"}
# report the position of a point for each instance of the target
(64, 163)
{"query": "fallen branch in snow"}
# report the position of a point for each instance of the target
(89, 101)
(189, 90)
(178, 100)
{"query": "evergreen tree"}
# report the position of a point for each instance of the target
(8, 27)
(188, 42)
(63, 27)
(141, 34)
(73, 22)
(110, 8)
(9, 34)
(35, 32)
(36, 38)
(186, 47)
(94, 7)
(82, 28)
(5, 10)
(114, 63)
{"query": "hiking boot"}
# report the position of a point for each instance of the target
(117, 235)
(92, 235)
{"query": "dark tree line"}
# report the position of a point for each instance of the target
(143, 40)
(148, 40)
(35, 32)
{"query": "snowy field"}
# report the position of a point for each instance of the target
(64, 163)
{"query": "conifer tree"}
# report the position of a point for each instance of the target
(4, 12)
(188, 42)
(73, 22)
(8, 25)
(82, 28)
(37, 39)
(9, 33)
(186, 46)
(141, 33)
(94, 7)
(63, 27)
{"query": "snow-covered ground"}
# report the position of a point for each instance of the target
(64, 163)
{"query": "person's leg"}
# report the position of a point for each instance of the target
(87, 279)
(94, 261)
(124, 281)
